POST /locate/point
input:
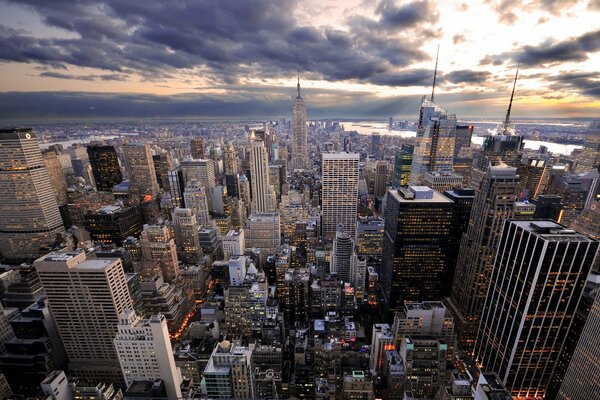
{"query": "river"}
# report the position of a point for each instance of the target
(367, 128)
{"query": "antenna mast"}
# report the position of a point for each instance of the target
(512, 95)
(435, 72)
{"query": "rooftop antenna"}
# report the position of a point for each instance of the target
(435, 72)
(298, 82)
(507, 120)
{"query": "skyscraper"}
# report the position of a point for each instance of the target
(159, 253)
(140, 168)
(402, 165)
(197, 148)
(534, 290)
(186, 227)
(162, 165)
(86, 297)
(29, 216)
(582, 380)
(299, 133)
(342, 254)
(263, 194)
(56, 175)
(436, 136)
(145, 353)
(415, 245)
(176, 187)
(105, 167)
(495, 181)
(494, 201)
(196, 199)
(229, 160)
(381, 176)
(339, 192)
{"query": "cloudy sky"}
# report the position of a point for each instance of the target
(358, 58)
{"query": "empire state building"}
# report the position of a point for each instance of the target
(299, 133)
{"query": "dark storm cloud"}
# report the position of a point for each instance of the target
(586, 83)
(91, 77)
(226, 40)
(550, 52)
(241, 102)
(407, 15)
(467, 76)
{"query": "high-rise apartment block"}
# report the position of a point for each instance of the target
(29, 216)
(145, 353)
(534, 291)
(339, 192)
(86, 297)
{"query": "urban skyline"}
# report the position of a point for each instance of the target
(432, 256)
(140, 64)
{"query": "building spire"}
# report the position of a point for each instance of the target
(298, 82)
(507, 120)
(435, 72)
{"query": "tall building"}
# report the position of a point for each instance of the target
(436, 135)
(159, 253)
(263, 194)
(532, 174)
(382, 340)
(230, 160)
(86, 297)
(375, 143)
(339, 192)
(424, 358)
(105, 167)
(402, 165)
(263, 232)
(464, 134)
(186, 228)
(342, 255)
(299, 133)
(369, 239)
(145, 353)
(535, 288)
(202, 170)
(415, 246)
(463, 203)
(140, 168)
(197, 148)
(57, 176)
(113, 224)
(234, 243)
(176, 188)
(162, 165)
(29, 216)
(35, 350)
(495, 198)
(195, 198)
(229, 374)
(381, 177)
(582, 379)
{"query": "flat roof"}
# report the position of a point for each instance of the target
(436, 198)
